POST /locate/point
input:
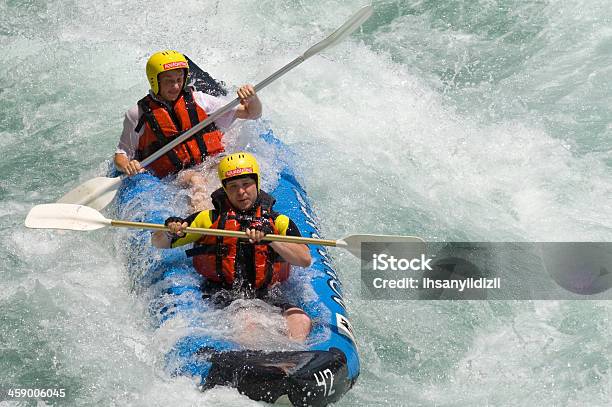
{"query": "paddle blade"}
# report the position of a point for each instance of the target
(353, 243)
(96, 193)
(101, 201)
(65, 216)
(341, 33)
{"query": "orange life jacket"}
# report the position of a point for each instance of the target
(162, 125)
(218, 258)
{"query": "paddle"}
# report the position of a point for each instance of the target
(99, 192)
(79, 217)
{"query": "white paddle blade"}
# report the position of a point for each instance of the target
(65, 216)
(353, 243)
(342, 32)
(102, 201)
(96, 193)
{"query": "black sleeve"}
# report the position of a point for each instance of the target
(292, 229)
(189, 219)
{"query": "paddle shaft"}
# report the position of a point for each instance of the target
(226, 233)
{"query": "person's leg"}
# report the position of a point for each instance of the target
(198, 193)
(183, 178)
(298, 324)
(195, 182)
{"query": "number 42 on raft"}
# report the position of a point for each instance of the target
(325, 375)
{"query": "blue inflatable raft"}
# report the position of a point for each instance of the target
(315, 373)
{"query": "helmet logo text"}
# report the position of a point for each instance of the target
(238, 171)
(175, 65)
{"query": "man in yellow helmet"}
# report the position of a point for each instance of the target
(242, 268)
(170, 108)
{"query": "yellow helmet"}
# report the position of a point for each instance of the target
(165, 61)
(238, 164)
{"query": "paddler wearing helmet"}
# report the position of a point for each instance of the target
(170, 108)
(242, 268)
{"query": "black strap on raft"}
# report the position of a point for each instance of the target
(308, 378)
(162, 140)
